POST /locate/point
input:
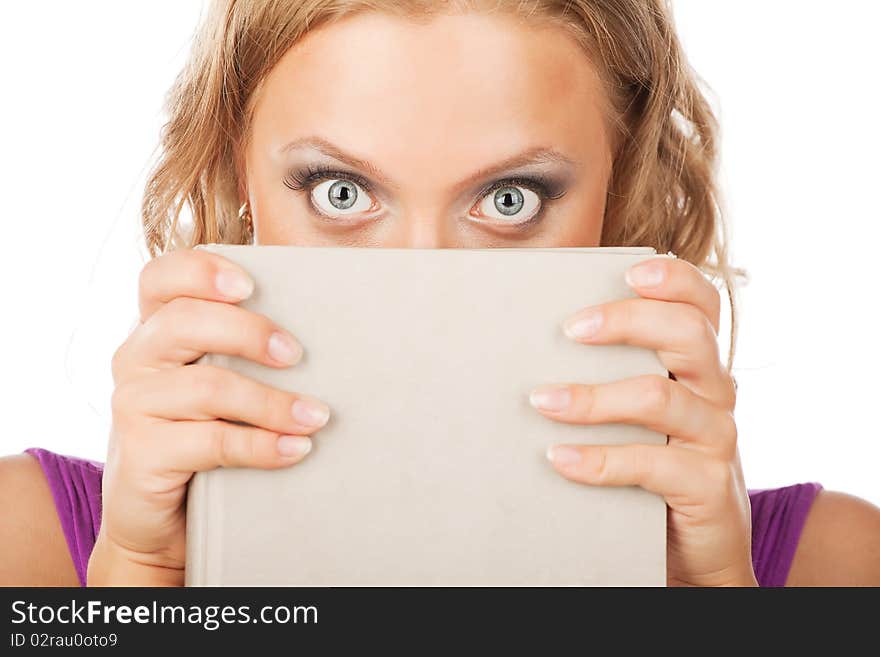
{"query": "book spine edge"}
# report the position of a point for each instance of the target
(203, 534)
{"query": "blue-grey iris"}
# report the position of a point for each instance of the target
(508, 200)
(342, 194)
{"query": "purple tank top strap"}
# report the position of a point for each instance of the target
(778, 517)
(76, 489)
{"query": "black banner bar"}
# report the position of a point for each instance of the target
(131, 620)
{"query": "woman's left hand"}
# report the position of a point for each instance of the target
(698, 472)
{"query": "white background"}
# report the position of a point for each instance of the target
(795, 85)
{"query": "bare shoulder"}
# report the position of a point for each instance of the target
(33, 551)
(840, 543)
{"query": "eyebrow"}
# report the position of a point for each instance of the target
(532, 156)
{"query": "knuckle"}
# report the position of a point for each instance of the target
(174, 320)
(180, 311)
(118, 354)
(600, 464)
(128, 446)
(697, 326)
(205, 381)
(656, 394)
(120, 399)
(233, 445)
(251, 444)
(119, 456)
(146, 274)
(730, 431)
(117, 360)
(639, 463)
(268, 403)
(221, 443)
(586, 402)
(731, 391)
(622, 314)
(721, 477)
(126, 442)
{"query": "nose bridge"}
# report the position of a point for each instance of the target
(424, 216)
(424, 230)
(422, 226)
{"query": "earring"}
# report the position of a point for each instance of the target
(244, 215)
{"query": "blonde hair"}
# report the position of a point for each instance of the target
(663, 190)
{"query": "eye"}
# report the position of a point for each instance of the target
(340, 197)
(510, 204)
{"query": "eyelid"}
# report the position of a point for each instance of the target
(542, 186)
(537, 187)
(351, 177)
(547, 188)
(311, 175)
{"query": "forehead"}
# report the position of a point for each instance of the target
(476, 88)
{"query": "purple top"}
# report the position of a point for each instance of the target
(778, 515)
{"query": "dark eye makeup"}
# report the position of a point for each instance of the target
(547, 188)
(309, 176)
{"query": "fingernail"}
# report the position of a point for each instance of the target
(562, 455)
(311, 413)
(550, 398)
(644, 275)
(294, 445)
(584, 325)
(284, 348)
(233, 284)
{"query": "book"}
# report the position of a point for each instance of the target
(431, 470)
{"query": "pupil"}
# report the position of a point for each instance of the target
(508, 200)
(342, 194)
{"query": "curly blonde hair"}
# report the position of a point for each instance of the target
(663, 190)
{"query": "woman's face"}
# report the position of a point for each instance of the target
(469, 131)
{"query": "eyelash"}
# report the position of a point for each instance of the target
(300, 179)
(546, 189)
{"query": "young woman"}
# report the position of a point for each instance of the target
(429, 124)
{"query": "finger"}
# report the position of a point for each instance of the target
(673, 279)
(190, 273)
(680, 475)
(653, 401)
(205, 392)
(192, 446)
(185, 328)
(680, 333)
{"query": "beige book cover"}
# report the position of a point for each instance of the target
(432, 468)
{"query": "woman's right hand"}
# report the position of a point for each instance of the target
(172, 418)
